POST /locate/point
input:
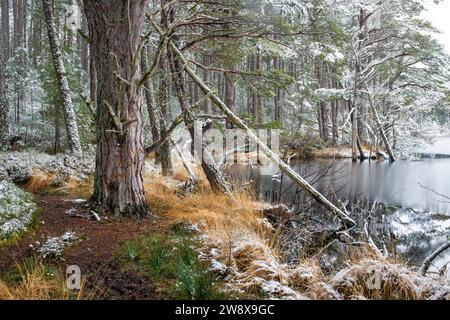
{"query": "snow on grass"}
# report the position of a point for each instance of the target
(388, 280)
(54, 246)
(17, 208)
(241, 246)
(19, 166)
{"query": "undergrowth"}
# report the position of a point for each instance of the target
(171, 261)
(18, 236)
(32, 279)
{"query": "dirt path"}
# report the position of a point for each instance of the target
(94, 252)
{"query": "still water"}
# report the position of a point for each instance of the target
(409, 200)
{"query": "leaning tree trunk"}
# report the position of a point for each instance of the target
(60, 70)
(429, 260)
(115, 29)
(4, 109)
(212, 173)
(346, 220)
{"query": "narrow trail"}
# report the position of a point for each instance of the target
(94, 252)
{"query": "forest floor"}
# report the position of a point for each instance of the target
(94, 251)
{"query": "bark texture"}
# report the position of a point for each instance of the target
(5, 29)
(115, 28)
(4, 110)
(148, 89)
(60, 70)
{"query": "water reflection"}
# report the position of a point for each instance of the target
(408, 199)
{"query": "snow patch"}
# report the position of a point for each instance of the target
(54, 247)
(16, 209)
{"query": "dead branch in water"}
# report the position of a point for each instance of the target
(429, 260)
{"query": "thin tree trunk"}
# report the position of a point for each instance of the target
(259, 101)
(60, 70)
(57, 142)
(212, 173)
(115, 30)
(5, 30)
(164, 101)
(83, 47)
(381, 128)
(230, 90)
(152, 114)
(206, 79)
(4, 108)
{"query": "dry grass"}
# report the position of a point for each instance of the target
(246, 243)
(249, 247)
(48, 182)
(75, 187)
(376, 280)
(337, 152)
(33, 280)
(39, 182)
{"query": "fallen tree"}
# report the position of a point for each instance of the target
(185, 65)
(429, 260)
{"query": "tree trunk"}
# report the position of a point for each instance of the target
(165, 154)
(57, 141)
(164, 101)
(334, 120)
(5, 31)
(4, 109)
(380, 126)
(206, 79)
(60, 70)
(277, 65)
(259, 100)
(115, 29)
(83, 47)
(152, 114)
(230, 90)
(92, 79)
(211, 171)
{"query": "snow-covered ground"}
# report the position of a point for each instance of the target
(17, 208)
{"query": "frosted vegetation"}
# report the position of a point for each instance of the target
(54, 246)
(20, 166)
(17, 209)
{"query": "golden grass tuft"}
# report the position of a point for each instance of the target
(181, 176)
(39, 182)
(376, 280)
(42, 181)
(75, 187)
(34, 282)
